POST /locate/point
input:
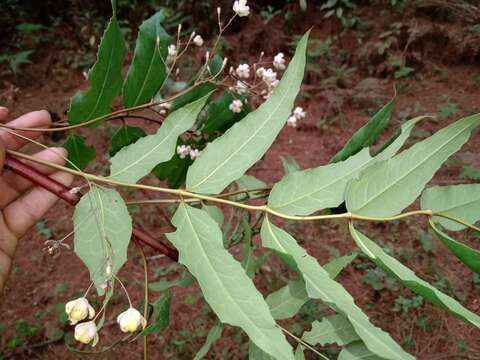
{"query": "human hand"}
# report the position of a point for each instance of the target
(21, 203)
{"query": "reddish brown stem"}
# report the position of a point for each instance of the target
(65, 193)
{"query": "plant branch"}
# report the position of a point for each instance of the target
(72, 197)
(263, 208)
(115, 114)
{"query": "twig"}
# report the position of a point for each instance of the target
(68, 195)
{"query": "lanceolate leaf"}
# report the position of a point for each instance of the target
(332, 329)
(225, 286)
(103, 228)
(215, 65)
(365, 136)
(357, 351)
(229, 156)
(79, 153)
(163, 285)
(125, 136)
(321, 286)
(386, 188)
(135, 161)
(147, 71)
(220, 117)
(465, 254)
(334, 267)
(304, 192)
(162, 314)
(307, 191)
(287, 301)
(410, 280)
(105, 79)
(460, 201)
(213, 335)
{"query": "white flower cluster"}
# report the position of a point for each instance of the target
(236, 106)
(172, 53)
(298, 114)
(185, 150)
(241, 8)
(86, 332)
(243, 71)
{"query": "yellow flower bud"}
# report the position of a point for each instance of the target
(78, 310)
(86, 332)
(130, 320)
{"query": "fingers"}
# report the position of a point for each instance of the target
(34, 119)
(3, 114)
(2, 156)
(14, 185)
(27, 210)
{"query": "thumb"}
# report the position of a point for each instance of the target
(3, 114)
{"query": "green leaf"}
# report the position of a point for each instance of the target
(125, 136)
(105, 79)
(220, 117)
(147, 71)
(163, 285)
(215, 213)
(79, 153)
(229, 156)
(289, 164)
(366, 135)
(201, 90)
(299, 355)
(321, 286)
(460, 201)
(255, 353)
(103, 228)
(403, 71)
(136, 160)
(357, 351)
(225, 286)
(465, 254)
(304, 192)
(410, 280)
(248, 182)
(332, 329)
(386, 188)
(162, 318)
(287, 301)
(174, 171)
(213, 335)
(334, 267)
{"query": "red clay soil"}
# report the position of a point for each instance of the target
(39, 281)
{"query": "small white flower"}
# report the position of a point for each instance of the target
(241, 88)
(260, 71)
(172, 53)
(78, 310)
(183, 151)
(131, 320)
(241, 8)
(243, 71)
(194, 153)
(279, 61)
(292, 121)
(86, 332)
(236, 106)
(269, 76)
(198, 40)
(299, 113)
(274, 84)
